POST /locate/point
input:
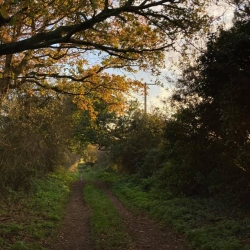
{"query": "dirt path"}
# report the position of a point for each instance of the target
(75, 231)
(145, 233)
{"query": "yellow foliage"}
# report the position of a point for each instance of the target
(78, 47)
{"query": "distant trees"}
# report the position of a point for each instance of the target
(128, 137)
(136, 142)
(98, 129)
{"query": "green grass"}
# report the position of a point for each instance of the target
(208, 223)
(32, 219)
(107, 227)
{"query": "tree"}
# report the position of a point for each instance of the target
(242, 11)
(209, 137)
(97, 131)
(128, 137)
(136, 140)
(70, 46)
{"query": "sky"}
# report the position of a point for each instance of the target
(223, 14)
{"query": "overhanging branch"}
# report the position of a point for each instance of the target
(63, 34)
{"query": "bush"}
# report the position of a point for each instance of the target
(34, 140)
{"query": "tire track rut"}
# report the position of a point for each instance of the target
(145, 233)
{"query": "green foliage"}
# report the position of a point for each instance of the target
(108, 176)
(30, 219)
(137, 138)
(94, 130)
(131, 140)
(19, 245)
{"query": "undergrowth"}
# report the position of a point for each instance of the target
(28, 221)
(106, 224)
(208, 223)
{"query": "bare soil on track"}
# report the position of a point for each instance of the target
(144, 232)
(75, 231)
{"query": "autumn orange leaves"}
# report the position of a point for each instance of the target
(71, 47)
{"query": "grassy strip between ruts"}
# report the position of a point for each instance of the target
(28, 222)
(106, 224)
(208, 223)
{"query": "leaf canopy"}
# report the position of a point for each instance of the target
(72, 46)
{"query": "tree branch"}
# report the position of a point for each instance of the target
(63, 34)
